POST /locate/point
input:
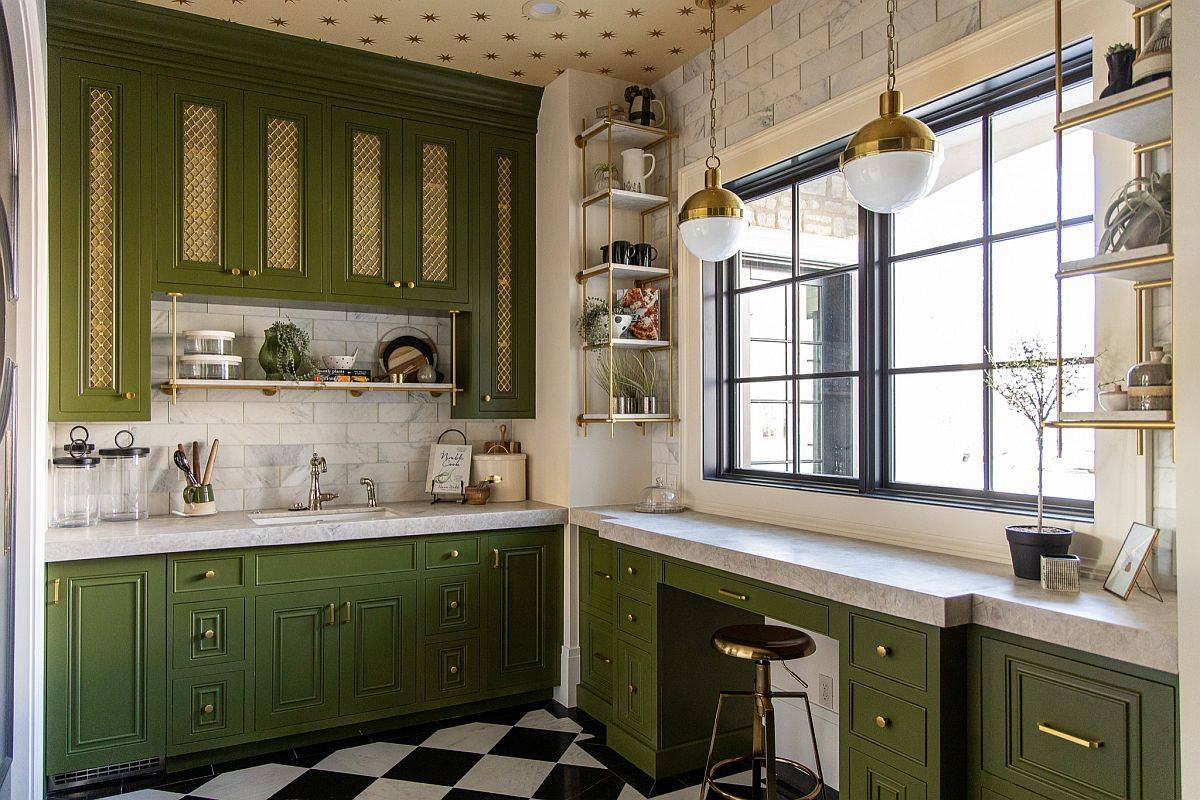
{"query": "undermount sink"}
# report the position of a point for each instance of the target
(306, 517)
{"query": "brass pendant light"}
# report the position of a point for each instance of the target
(893, 160)
(713, 220)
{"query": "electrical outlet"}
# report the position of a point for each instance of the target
(826, 692)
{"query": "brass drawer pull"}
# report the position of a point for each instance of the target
(882, 650)
(495, 558)
(454, 604)
(601, 574)
(882, 721)
(452, 554)
(330, 612)
(208, 708)
(632, 689)
(734, 595)
(1090, 744)
(210, 634)
(454, 670)
(631, 570)
(603, 658)
(57, 586)
(631, 617)
(346, 613)
(210, 574)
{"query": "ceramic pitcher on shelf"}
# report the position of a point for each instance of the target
(634, 170)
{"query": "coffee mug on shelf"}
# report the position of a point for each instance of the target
(644, 254)
(621, 252)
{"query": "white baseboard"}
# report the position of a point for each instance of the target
(568, 676)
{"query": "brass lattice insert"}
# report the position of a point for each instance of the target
(435, 213)
(284, 178)
(201, 183)
(101, 245)
(366, 205)
(504, 270)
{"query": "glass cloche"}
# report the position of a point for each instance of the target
(659, 499)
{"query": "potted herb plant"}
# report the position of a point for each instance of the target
(1029, 384)
(643, 378)
(284, 355)
(603, 173)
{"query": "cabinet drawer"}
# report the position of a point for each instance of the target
(871, 779)
(207, 707)
(205, 633)
(282, 566)
(635, 692)
(596, 653)
(635, 570)
(888, 650)
(888, 721)
(204, 573)
(1054, 725)
(452, 552)
(725, 589)
(451, 669)
(451, 603)
(597, 563)
(635, 618)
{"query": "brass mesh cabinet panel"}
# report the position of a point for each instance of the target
(284, 182)
(503, 377)
(200, 183)
(435, 213)
(101, 239)
(366, 204)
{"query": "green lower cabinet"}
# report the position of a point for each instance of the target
(636, 691)
(207, 707)
(872, 779)
(524, 603)
(105, 663)
(451, 669)
(596, 654)
(378, 643)
(296, 658)
(451, 603)
(206, 633)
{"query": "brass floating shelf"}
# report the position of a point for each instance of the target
(610, 418)
(630, 344)
(1141, 115)
(1113, 424)
(627, 201)
(270, 388)
(1140, 265)
(624, 134)
(639, 273)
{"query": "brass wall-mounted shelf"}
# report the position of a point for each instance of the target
(1140, 115)
(269, 388)
(1143, 264)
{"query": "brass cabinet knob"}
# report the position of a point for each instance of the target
(209, 708)
(632, 689)
(487, 398)
(130, 395)
(882, 721)
(602, 574)
(631, 617)
(603, 658)
(397, 284)
(454, 604)
(234, 271)
(454, 670)
(210, 573)
(253, 273)
(883, 650)
(411, 284)
(210, 634)
(454, 554)
(631, 570)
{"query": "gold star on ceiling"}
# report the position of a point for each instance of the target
(687, 11)
(490, 56)
(516, 73)
(481, 16)
(629, 53)
(445, 58)
(607, 34)
(462, 37)
(279, 22)
(379, 19)
(414, 39)
(428, 17)
(704, 31)
(511, 37)
(605, 70)
(633, 13)
(537, 55)
(329, 21)
(737, 8)
(656, 33)
(558, 36)
(583, 53)
(649, 68)
(582, 13)
(367, 40)
(676, 51)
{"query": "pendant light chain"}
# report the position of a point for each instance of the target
(891, 38)
(712, 86)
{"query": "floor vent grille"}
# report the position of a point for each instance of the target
(83, 777)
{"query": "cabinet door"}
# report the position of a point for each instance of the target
(504, 331)
(636, 692)
(284, 238)
(105, 662)
(199, 186)
(378, 646)
(367, 205)
(435, 178)
(296, 658)
(524, 607)
(101, 309)
(871, 779)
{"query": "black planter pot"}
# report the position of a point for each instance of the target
(1120, 72)
(1027, 545)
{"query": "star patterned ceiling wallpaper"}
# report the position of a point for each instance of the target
(636, 41)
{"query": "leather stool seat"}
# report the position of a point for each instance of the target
(759, 642)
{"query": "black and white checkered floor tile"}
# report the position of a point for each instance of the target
(545, 752)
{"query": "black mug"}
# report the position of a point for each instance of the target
(643, 254)
(622, 253)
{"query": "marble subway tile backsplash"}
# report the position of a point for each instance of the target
(266, 442)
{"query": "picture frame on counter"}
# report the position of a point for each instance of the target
(1131, 560)
(449, 468)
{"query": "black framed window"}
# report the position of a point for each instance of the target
(850, 349)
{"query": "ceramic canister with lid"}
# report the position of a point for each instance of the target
(510, 467)
(1150, 383)
(124, 480)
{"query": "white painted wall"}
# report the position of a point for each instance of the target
(792, 735)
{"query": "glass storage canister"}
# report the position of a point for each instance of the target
(124, 480)
(213, 343)
(75, 499)
(1150, 383)
(210, 367)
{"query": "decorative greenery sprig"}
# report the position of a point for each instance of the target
(593, 321)
(1119, 47)
(292, 343)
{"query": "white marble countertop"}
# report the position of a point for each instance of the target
(914, 584)
(235, 529)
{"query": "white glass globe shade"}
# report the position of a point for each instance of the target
(713, 238)
(892, 181)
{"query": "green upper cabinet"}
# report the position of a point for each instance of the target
(100, 305)
(284, 247)
(238, 190)
(436, 164)
(503, 331)
(524, 604)
(105, 662)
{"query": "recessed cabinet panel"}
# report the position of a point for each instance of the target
(597, 565)
(378, 645)
(208, 633)
(208, 707)
(635, 692)
(296, 660)
(451, 669)
(523, 575)
(871, 779)
(451, 603)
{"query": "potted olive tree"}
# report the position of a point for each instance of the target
(1029, 384)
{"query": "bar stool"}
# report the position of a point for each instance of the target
(762, 644)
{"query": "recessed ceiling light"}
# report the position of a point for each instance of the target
(542, 10)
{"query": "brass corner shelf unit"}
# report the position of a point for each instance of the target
(1141, 116)
(616, 134)
(174, 385)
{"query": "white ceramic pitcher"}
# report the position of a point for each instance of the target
(634, 170)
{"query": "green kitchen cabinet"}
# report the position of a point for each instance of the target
(436, 178)
(503, 330)
(524, 603)
(100, 304)
(378, 643)
(105, 663)
(296, 658)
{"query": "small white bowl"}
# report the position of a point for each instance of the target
(339, 362)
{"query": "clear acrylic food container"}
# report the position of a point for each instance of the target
(76, 503)
(213, 343)
(124, 480)
(210, 367)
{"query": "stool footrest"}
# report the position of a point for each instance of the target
(748, 762)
